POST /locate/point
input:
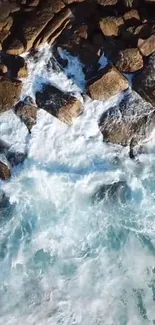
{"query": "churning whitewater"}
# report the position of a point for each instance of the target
(66, 258)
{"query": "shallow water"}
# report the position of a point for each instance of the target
(65, 258)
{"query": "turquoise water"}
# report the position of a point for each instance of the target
(65, 257)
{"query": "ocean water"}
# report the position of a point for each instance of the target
(66, 258)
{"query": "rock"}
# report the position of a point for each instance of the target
(107, 2)
(109, 83)
(16, 158)
(23, 72)
(61, 105)
(133, 117)
(131, 3)
(15, 47)
(3, 68)
(5, 171)
(9, 93)
(116, 191)
(110, 25)
(147, 47)
(144, 82)
(16, 65)
(27, 113)
(132, 17)
(129, 61)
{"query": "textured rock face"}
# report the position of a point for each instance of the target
(129, 60)
(144, 82)
(117, 190)
(108, 84)
(5, 171)
(110, 25)
(61, 105)
(27, 114)
(9, 93)
(147, 47)
(133, 117)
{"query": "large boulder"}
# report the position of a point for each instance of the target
(61, 105)
(9, 93)
(110, 25)
(133, 117)
(118, 190)
(27, 113)
(108, 83)
(147, 46)
(129, 60)
(144, 82)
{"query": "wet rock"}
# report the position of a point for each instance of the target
(23, 71)
(129, 61)
(3, 68)
(27, 113)
(15, 158)
(5, 170)
(9, 93)
(107, 2)
(16, 65)
(133, 117)
(61, 105)
(110, 25)
(108, 83)
(147, 47)
(132, 17)
(144, 82)
(116, 191)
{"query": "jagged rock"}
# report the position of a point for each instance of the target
(133, 117)
(3, 68)
(23, 71)
(15, 158)
(9, 93)
(147, 47)
(59, 104)
(110, 25)
(27, 113)
(108, 83)
(5, 171)
(144, 82)
(116, 191)
(132, 17)
(129, 61)
(15, 47)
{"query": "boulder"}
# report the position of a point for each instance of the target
(27, 113)
(132, 17)
(107, 2)
(129, 60)
(133, 117)
(144, 82)
(15, 158)
(9, 93)
(3, 68)
(147, 46)
(110, 25)
(23, 71)
(116, 191)
(61, 105)
(108, 83)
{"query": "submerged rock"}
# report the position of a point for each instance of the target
(117, 190)
(108, 83)
(133, 117)
(61, 105)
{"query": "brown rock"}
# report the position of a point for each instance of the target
(132, 17)
(15, 47)
(147, 47)
(33, 3)
(3, 68)
(3, 35)
(132, 118)
(27, 114)
(9, 93)
(5, 172)
(109, 83)
(131, 3)
(107, 2)
(110, 25)
(129, 60)
(71, 1)
(23, 72)
(61, 105)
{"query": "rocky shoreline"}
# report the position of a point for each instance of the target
(123, 31)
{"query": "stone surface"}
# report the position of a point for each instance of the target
(3, 68)
(27, 114)
(144, 82)
(147, 47)
(107, 2)
(59, 104)
(9, 93)
(23, 72)
(5, 171)
(109, 83)
(115, 191)
(129, 61)
(132, 16)
(133, 117)
(110, 25)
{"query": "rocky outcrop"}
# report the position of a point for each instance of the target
(61, 105)
(133, 117)
(9, 93)
(109, 83)
(27, 113)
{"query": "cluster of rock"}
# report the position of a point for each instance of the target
(122, 30)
